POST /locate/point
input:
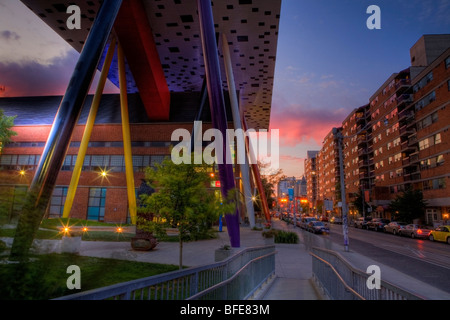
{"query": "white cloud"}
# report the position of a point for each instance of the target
(33, 41)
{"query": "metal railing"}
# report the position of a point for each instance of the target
(234, 278)
(341, 281)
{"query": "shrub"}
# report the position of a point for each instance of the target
(286, 237)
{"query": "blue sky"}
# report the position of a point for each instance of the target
(328, 61)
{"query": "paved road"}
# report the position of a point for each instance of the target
(422, 259)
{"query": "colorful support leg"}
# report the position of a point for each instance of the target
(88, 130)
(217, 105)
(126, 136)
(237, 126)
(64, 123)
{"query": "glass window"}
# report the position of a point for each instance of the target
(437, 138)
(96, 204)
(57, 202)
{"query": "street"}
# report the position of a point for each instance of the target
(424, 260)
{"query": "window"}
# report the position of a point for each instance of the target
(429, 120)
(423, 144)
(447, 62)
(425, 101)
(434, 184)
(96, 205)
(57, 202)
(437, 138)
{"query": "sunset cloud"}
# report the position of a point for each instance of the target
(299, 124)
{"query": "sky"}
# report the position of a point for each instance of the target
(328, 61)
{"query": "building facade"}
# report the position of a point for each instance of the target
(399, 140)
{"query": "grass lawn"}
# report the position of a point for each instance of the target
(45, 278)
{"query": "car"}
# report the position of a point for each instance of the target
(336, 220)
(377, 224)
(441, 233)
(305, 220)
(394, 227)
(415, 231)
(317, 227)
(362, 222)
(323, 218)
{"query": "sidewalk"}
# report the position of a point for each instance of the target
(293, 264)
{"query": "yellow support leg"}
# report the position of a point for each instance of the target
(88, 130)
(126, 136)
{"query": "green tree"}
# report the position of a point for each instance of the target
(6, 123)
(408, 206)
(270, 179)
(182, 200)
(359, 203)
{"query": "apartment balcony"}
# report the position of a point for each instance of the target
(411, 176)
(361, 139)
(406, 130)
(363, 163)
(409, 147)
(406, 161)
(362, 151)
(414, 157)
(402, 84)
(405, 98)
(405, 114)
(412, 140)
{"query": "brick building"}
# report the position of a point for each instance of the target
(101, 197)
(399, 139)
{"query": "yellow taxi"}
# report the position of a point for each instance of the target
(441, 233)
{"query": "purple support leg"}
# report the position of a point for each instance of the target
(217, 105)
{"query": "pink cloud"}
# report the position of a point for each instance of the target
(298, 124)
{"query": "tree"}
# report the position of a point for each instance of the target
(270, 179)
(360, 204)
(6, 123)
(408, 206)
(181, 200)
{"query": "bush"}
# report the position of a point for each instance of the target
(286, 237)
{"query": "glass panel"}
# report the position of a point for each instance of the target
(94, 202)
(5, 160)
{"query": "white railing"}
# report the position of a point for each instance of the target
(234, 278)
(341, 281)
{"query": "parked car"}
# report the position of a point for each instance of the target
(362, 222)
(317, 227)
(336, 220)
(441, 233)
(394, 227)
(415, 231)
(305, 221)
(323, 218)
(377, 224)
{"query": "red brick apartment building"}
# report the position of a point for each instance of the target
(399, 140)
(98, 197)
(311, 175)
(328, 174)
